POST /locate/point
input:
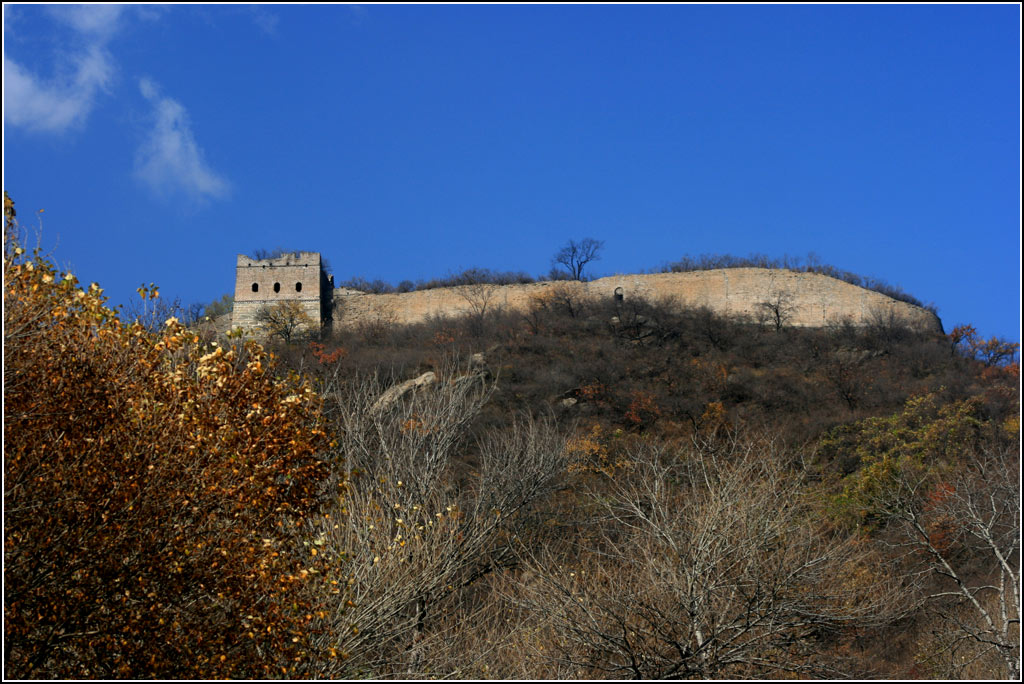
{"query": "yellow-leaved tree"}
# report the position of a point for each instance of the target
(154, 489)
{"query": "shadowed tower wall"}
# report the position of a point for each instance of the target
(295, 276)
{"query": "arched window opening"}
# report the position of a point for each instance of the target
(618, 294)
(277, 287)
(255, 287)
(298, 287)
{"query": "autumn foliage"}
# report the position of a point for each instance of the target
(153, 490)
(993, 352)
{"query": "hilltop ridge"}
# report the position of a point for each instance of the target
(802, 299)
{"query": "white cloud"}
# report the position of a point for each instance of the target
(170, 160)
(96, 21)
(56, 104)
(53, 106)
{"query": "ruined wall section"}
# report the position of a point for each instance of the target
(811, 299)
(296, 276)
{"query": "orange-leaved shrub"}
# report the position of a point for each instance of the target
(154, 491)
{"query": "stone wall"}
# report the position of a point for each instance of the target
(296, 276)
(813, 300)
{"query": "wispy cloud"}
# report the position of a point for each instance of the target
(53, 105)
(265, 20)
(98, 21)
(170, 161)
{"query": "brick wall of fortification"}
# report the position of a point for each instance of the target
(815, 300)
(295, 276)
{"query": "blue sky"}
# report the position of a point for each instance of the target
(406, 142)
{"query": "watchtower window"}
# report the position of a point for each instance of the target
(618, 294)
(277, 287)
(298, 287)
(255, 287)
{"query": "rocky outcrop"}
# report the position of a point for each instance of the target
(428, 380)
(396, 392)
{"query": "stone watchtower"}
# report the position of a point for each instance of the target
(292, 276)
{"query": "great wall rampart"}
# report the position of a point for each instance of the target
(810, 299)
(807, 299)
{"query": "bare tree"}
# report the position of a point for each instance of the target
(153, 311)
(285, 319)
(412, 537)
(554, 301)
(846, 370)
(219, 307)
(569, 299)
(887, 327)
(642, 321)
(576, 255)
(709, 564)
(965, 531)
(375, 324)
(777, 310)
(261, 253)
(480, 299)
